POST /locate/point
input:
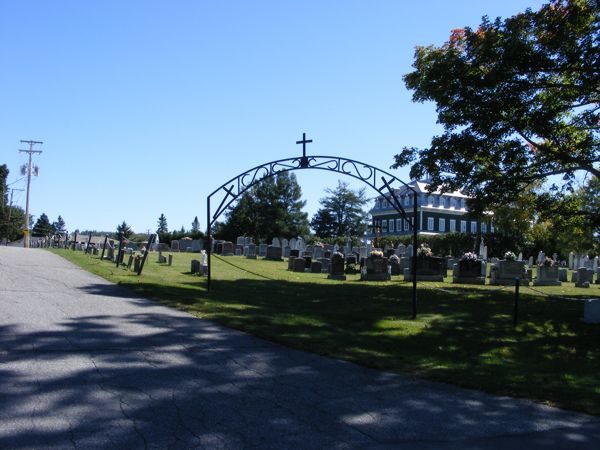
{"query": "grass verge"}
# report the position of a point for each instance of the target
(463, 335)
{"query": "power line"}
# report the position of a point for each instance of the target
(29, 167)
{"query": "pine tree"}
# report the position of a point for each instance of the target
(124, 229)
(162, 225)
(42, 226)
(196, 224)
(341, 213)
(59, 225)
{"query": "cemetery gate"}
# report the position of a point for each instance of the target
(383, 182)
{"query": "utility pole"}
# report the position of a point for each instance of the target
(29, 152)
(12, 191)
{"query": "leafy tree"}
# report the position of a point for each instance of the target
(124, 229)
(42, 226)
(271, 208)
(341, 213)
(59, 225)
(162, 225)
(518, 100)
(196, 224)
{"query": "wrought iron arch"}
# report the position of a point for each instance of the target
(383, 182)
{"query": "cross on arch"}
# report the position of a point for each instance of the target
(304, 159)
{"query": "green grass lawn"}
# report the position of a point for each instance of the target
(463, 334)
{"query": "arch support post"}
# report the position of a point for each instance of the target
(208, 244)
(414, 255)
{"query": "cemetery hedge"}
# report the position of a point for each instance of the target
(463, 334)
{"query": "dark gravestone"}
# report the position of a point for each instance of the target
(136, 263)
(219, 248)
(299, 264)
(195, 266)
(315, 267)
(325, 262)
(291, 263)
(295, 253)
(307, 262)
(273, 253)
(336, 269)
(129, 262)
(351, 259)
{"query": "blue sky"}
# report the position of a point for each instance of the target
(145, 107)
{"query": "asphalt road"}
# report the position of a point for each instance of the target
(85, 364)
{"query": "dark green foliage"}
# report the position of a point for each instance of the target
(59, 225)
(42, 226)
(341, 213)
(123, 229)
(196, 224)
(162, 225)
(271, 208)
(518, 100)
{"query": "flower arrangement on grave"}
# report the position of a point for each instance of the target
(547, 262)
(395, 259)
(469, 256)
(376, 254)
(510, 256)
(424, 251)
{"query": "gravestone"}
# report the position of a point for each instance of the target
(284, 243)
(540, 257)
(309, 249)
(241, 240)
(136, 263)
(584, 277)
(336, 269)
(295, 252)
(315, 267)
(562, 274)
(292, 243)
(251, 251)
(204, 263)
(520, 257)
(273, 253)
(530, 262)
(496, 260)
(238, 251)
(195, 266)
(174, 245)
(400, 250)
(547, 276)
(362, 252)
(469, 272)
(291, 263)
(409, 250)
(317, 252)
(376, 269)
(325, 262)
(227, 248)
(591, 311)
(197, 245)
(286, 251)
(275, 242)
(130, 261)
(262, 250)
(595, 264)
(170, 259)
(429, 268)
(110, 250)
(505, 273)
(395, 265)
(185, 244)
(571, 260)
(307, 262)
(299, 264)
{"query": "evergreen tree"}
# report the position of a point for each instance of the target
(42, 226)
(271, 208)
(162, 225)
(59, 225)
(124, 229)
(196, 224)
(341, 213)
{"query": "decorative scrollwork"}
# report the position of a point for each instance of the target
(235, 187)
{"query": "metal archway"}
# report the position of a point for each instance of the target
(380, 180)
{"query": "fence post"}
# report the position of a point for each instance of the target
(516, 311)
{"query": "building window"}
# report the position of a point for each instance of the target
(452, 225)
(483, 227)
(442, 224)
(384, 225)
(463, 226)
(430, 224)
(391, 225)
(474, 227)
(398, 224)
